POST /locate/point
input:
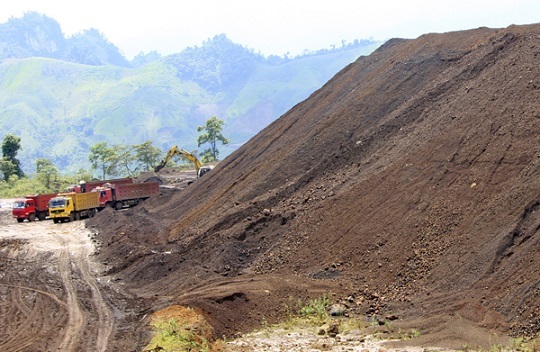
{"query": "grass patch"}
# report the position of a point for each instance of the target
(409, 334)
(178, 328)
(311, 312)
(172, 335)
(519, 345)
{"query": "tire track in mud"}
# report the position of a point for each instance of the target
(105, 317)
(74, 262)
(20, 338)
(76, 318)
(48, 294)
(61, 308)
(28, 318)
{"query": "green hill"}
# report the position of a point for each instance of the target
(61, 108)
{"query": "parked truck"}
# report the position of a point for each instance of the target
(84, 187)
(32, 207)
(73, 206)
(126, 194)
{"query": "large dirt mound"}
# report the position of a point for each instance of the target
(410, 181)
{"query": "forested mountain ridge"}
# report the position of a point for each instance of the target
(36, 35)
(78, 91)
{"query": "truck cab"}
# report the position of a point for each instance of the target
(105, 195)
(61, 208)
(73, 206)
(24, 209)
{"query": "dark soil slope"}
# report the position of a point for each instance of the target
(410, 181)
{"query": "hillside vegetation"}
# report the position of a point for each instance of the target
(63, 95)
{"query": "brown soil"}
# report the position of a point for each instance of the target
(54, 296)
(408, 187)
(409, 183)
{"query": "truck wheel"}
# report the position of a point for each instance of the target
(118, 205)
(32, 217)
(77, 216)
(42, 216)
(20, 219)
(71, 216)
(55, 220)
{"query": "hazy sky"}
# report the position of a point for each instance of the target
(272, 26)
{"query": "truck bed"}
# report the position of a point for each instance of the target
(89, 186)
(135, 190)
(42, 200)
(83, 201)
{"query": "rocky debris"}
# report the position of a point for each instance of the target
(337, 310)
(333, 330)
(300, 340)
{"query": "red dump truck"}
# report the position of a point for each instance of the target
(32, 207)
(126, 194)
(85, 187)
(73, 206)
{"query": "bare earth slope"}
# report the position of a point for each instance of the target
(410, 181)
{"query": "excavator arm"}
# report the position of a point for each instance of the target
(187, 155)
(183, 153)
(167, 158)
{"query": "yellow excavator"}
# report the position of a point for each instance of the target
(201, 170)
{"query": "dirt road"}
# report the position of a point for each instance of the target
(49, 288)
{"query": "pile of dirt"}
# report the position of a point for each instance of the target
(409, 185)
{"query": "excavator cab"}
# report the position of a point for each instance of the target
(203, 170)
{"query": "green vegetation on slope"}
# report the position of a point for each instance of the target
(61, 108)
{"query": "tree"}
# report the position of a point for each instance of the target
(212, 135)
(7, 169)
(46, 172)
(10, 165)
(147, 155)
(219, 64)
(124, 159)
(103, 159)
(81, 175)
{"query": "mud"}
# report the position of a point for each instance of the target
(55, 296)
